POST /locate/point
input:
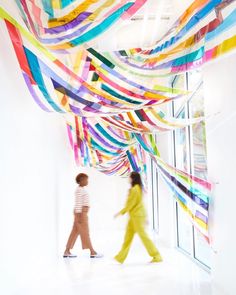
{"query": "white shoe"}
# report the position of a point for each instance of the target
(96, 256)
(69, 256)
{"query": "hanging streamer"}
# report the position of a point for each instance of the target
(112, 101)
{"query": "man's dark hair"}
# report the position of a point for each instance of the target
(80, 176)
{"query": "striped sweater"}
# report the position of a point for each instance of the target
(81, 199)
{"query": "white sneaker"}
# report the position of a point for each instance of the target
(69, 256)
(96, 256)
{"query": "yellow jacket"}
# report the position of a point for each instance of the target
(134, 204)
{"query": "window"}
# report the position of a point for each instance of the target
(154, 196)
(190, 155)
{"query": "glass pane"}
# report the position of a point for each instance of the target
(179, 82)
(202, 249)
(155, 199)
(199, 159)
(194, 79)
(181, 155)
(199, 154)
(154, 194)
(185, 231)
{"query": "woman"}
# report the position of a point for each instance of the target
(136, 224)
(80, 226)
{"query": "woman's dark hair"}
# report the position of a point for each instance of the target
(80, 176)
(136, 179)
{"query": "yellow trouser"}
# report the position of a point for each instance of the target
(136, 225)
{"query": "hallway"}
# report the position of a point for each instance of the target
(110, 88)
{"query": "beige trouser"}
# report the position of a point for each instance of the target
(81, 229)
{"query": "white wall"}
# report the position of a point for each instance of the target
(219, 90)
(37, 181)
(35, 157)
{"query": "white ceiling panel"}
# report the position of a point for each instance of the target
(148, 25)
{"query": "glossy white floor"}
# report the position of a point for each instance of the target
(82, 275)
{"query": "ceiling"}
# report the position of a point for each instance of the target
(147, 26)
(144, 28)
